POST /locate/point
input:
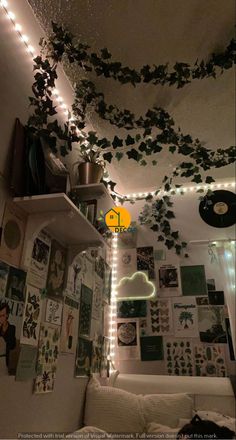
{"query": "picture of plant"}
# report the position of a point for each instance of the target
(186, 317)
(32, 316)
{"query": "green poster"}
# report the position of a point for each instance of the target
(132, 309)
(26, 363)
(193, 280)
(151, 348)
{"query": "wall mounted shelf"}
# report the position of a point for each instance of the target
(58, 215)
(95, 191)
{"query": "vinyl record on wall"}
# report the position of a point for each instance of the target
(219, 210)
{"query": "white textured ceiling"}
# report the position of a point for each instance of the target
(139, 32)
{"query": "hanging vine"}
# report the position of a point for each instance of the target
(158, 213)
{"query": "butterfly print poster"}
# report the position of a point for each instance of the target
(185, 317)
(179, 357)
(31, 317)
(160, 317)
(210, 360)
(48, 352)
(145, 261)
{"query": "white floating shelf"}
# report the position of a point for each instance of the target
(95, 191)
(61, 218)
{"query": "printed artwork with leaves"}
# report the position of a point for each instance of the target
(69, 330)
(97, 297)
(211, 321)
(86, 301)
(160, 317)
(185, 317)
(104, 367)
(97, 355)
(179, 357)
(32, 317)
(107, 284)
(53, 312)
(48, 352)
(210, 360)
(56, 271)
(74, 278)
(145, 261)
(83, 357)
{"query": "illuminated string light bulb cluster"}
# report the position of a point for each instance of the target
(112, 321)
(30, 49)
(183, 189)
(230, 258)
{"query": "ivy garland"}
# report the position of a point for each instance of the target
(158, 214)
(63, 42)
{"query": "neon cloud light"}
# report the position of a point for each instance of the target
(128, 286)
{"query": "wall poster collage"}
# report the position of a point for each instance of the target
(185, 325)
(51, 308)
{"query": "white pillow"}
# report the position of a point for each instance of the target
(170, 433)
(166, 409)
(112, 409)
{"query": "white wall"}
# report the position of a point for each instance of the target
(191, 227)
(20, 409)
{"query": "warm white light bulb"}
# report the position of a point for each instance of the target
(4, 3)
(18, 27)
(30, 49)
(11, 16)
(25, 38)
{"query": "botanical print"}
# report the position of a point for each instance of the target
(53, 312)
(216, 297)
(104, 367)
(185, 317)
(69, 330)
(209, 360)
(74, 278)
(160, 317)
(83, 357)
(38, 269)
(132, 309)
(4, 271)
(56, 272)
(32, 316)
(193, 280)
(26, 366)
(48, 352)
(126, 262)
(211, 324)
(97, 297)
(128, 340)
(16, 284)
(107, 284)
(169, 283)
(151, 348)
(100, 267)
(11, 314)
(97, 355)
(179, 357)
(85, 311)
(145, 261)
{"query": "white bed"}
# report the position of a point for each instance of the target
(208, 393)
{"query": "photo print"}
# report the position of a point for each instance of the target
(38, 269)
(87, 275)
(216, 297)
(151, 348)
(4, 272)
(145, 261)
(31, 317)
(211, 285)
(179, 357)
(169, 284)
(160, 320)
(193, 280)
(100, 267)
(210, 360)
(83, 357)
(56, 272)
(202, 300)
(211, 324)
(69, 330)
(185, 317)
(16, 284)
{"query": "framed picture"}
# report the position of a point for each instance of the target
(91, 210)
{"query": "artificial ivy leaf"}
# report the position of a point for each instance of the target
(133, 154)
(160, 238)
(200, 190)
(137, 137)
(129, 140)
(107, 157)
(184, 244)
(209, 179)
(143, 163)
(118, 156)
(175, 235)
(178, 248)
(154, 162)
(105, 54)
(117, 142)
(197, 178)
(155, 228)
(169, 214)
(92, 138)
(169, 244)
(63, 150)
(172, 149)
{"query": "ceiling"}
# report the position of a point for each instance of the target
(139, 32)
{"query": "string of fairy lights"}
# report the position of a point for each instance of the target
(11, 16)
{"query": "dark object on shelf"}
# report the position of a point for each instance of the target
(35, 166)
(18, 160)
(219, 209)
(56, 174)
(90, 173)
(91, 210)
